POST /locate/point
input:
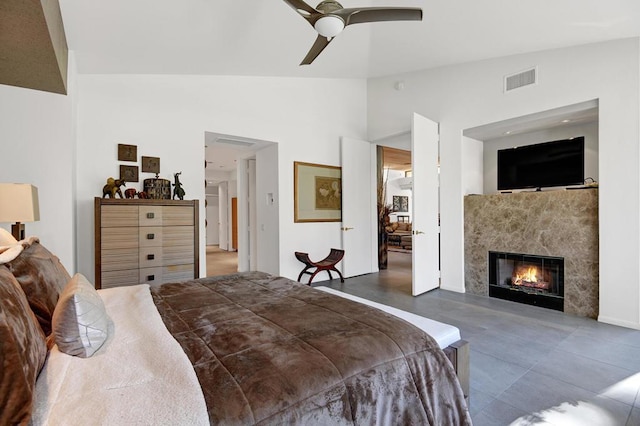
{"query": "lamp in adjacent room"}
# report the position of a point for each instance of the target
(18, 203)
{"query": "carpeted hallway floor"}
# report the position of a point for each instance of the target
(221, 262)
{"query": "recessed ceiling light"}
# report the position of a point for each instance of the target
(508, 132)
(566, 121)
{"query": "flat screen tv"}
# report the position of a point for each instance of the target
(557, 163)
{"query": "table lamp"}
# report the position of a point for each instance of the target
(18, 203)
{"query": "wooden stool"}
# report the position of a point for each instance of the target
(327, 264)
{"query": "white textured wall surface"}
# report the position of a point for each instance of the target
(167, 116)
(469, 95)
(36, 147)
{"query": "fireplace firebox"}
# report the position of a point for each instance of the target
(526, 278)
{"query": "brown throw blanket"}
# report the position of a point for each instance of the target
(268, 350)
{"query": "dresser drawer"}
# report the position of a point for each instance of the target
(119, 278)
(150, 216)
(177, 255)
(150, 257)
(152, 276)
(119, 259)
(177, 216)
(151, 236)
(178, 236)
(119, 216)
(119, 238)
(177, 273)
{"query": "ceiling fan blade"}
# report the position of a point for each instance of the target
(299, 5)
(316, 49)
(379, 14)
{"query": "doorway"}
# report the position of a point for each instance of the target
(423, 142)
(396, 187)
(241, 171)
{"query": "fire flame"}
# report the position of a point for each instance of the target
(530, 275)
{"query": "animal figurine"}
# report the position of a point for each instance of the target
(130, 193)
(177, 187)
(143, 195)
(112, 188)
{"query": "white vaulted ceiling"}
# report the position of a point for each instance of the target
(267, 37)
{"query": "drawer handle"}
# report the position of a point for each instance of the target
(151, 277)
(150, 215)
(151, 256)
(151, 236)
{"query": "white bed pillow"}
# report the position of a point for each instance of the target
(80, 321)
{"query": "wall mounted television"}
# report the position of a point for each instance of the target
(549, 164)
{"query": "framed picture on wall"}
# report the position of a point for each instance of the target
(400, 203)
(317, 192)
(129, 173)
(150, 164)
(127, 152)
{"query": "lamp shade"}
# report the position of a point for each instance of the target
(19, 202)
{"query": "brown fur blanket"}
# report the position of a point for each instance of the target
(268, 350)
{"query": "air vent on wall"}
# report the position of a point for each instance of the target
(520, 79)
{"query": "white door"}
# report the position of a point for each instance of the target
(213, 219)
(425, 194)
(358, 208)
(223, 215)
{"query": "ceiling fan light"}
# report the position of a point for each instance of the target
(329, 26)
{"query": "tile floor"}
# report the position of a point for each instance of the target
(529, 365)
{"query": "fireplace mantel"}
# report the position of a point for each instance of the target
(561, 223)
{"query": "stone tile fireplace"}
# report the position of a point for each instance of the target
(554, 232)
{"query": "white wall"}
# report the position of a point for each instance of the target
(469, 95)
(166, 116)
(491, 147)
(213, 219)
(472, 166)
(394, 189)
(37, 147)
(267, 211)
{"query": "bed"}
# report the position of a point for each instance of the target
(246, 348)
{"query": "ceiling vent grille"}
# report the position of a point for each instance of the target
(521, 79)
(236, 142)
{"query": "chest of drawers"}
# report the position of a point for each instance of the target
(145, 241)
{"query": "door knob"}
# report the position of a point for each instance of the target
(346, 228)
(417, 232)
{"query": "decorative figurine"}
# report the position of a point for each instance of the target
(177, 187)
(143, 195)
(112, 188)
(129, 193)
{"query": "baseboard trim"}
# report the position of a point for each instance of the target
(621, 323)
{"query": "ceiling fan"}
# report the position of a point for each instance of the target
(329, 18)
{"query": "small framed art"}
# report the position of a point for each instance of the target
(129, 173)
(127, 152)
(150, 164)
